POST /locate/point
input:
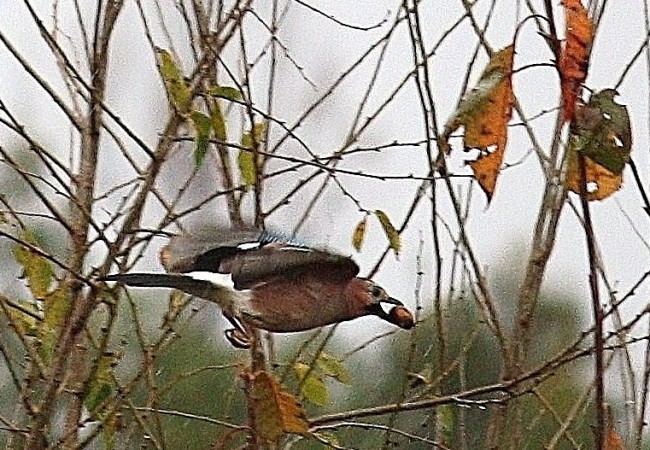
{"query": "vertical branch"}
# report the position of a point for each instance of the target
(597, 309)
(211, 47)
(69, 356)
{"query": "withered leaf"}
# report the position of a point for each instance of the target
(601, 132)
(574, 57)
(276, 411)
(485, 112)
(612, 440)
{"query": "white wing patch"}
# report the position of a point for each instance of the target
(220, 279)
(249, 245)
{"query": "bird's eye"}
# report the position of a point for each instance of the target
(376, 291)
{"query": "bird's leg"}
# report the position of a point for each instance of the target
(238, 336)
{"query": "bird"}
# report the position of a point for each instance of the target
(261, 279)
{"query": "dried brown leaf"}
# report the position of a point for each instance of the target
(574, 57)
(276, 412)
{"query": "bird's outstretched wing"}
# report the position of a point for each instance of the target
(252, 257)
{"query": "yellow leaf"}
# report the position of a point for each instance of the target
(179, 92)
(312, 385)
(247, 167)
(601, 183)
(246, 159)
(226, 92)
(38, 270)
(276, 412)
(359, 234)
(485, 112)
(332, 367)
(390, 231)
(575, 54)
(219, 123)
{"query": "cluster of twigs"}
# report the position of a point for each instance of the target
(113, 195)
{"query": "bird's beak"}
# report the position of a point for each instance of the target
(398, 315)
(392, 301)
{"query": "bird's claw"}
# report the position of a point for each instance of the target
(238, 338)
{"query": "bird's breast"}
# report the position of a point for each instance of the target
(287, 307)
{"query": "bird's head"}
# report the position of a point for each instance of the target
(375, 301)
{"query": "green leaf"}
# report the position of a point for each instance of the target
(391, 233)
(202, 129)
(179, 92)
(109, 431)
(219, 123)
(445, 422)
(101, 386)
(250, 139)
(333, 367)
(27, 323)
(226, 92)
(55, 308)
(313, 388)
(359, 234)
(603, 132)
(37, 270)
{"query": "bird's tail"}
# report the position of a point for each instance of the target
(199, 288)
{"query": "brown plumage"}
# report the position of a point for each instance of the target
(275, 284)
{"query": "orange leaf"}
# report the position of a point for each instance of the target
(601, 183)
(574, 57)
(485, 112)
(276, 412)
(612, 440)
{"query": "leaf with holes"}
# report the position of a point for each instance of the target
(276, 412)
(202, 129)
(605, 131)
(391, 233)
(601, 183)
(574, 57)
(359, 234)
(178, 91)
(601, 132)
(485, 112)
